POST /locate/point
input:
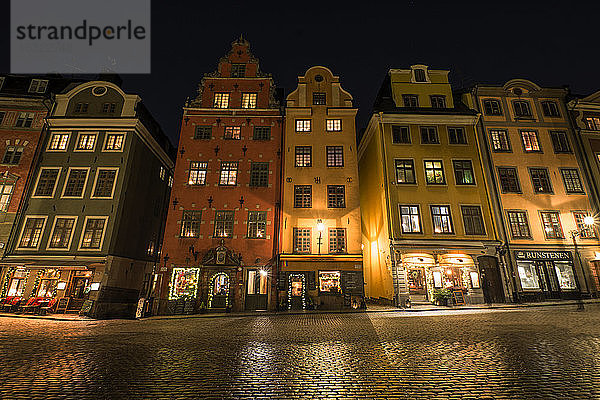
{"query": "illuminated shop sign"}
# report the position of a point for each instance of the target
(542, 255)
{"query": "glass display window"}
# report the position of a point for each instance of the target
(184, 283)
(330, 282)
(437, 279)
(17, 283)
(296, 285)
(528, 275)
(565, 275)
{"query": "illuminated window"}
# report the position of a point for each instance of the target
(17, 283)
(522, 108)
(550, 109)
(571, 180)
(500, 141)
(184, 283)
(330, 282)
(59, 141)
(262, 133)
(114, 142)
(257, 224)
(492, 107)
(519, 224)
(249, 100)
(190, 224)
(334, 125)
(6, 190)
(560, 142)
(410, 100)
(228, 175)
(434, 172)
(32, 232)
(223, 224)
(438, 101)
(303, 125)
(429, 135)
(463, 172)
(259, 174)
(198, 172)
(93, 233)
(585, 231)
(405, 171)
(593, 123)
(400, 134)
(337, 240)
(233, 132)
(456, 136)
(319, 99)
(410, 219)
(75, 182)
(86, 141)
(302, 239)
(46, 182)
(221, 100)
(303, 156)
(540, 180)
(302, 196)
(61, 235)
(335, 156)
(238, 70)
(163, 173)
(203, 132)
(12, 155)
(531, 143)
(442, 220)
(336, 196)
(24, 120)
(473, 220)
(105, 183)
(38, 86)
(551, 224)
(509, 180)
(48, 282)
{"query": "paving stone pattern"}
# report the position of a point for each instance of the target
(546, 353)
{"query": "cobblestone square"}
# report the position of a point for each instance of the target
(540, 353)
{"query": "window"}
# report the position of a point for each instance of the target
(303, 125)
(6, 190)
(249, 100)
(336, 196)
(262, 133)
(75, 182)
(585, 231)
(38, 86)
(114, 142)
(203, 132)
(302, 238)
(109, 108)
(333, 125)
(410, 219)
(530, 141)
(522, 108)
(238, 70)
(221, 100)
(302, 196)
(410, 100)
(190, 223)
(61, 235)
(198, 172)
(58, 141)
(434, 173)
(330, 282)
(571, 180)
(259, 174)
(472, 220)
(224, 224)
(400, 134)
(500, 141)
(257, 224)
(550, 109)
(303, 156)
(442, 221)
(24, 120)
(405, 171)
(86, 142)
(560, 143)
(46, 182)
(228, 176)
(335, 156)
(593, 123)
(233, 132)
(319, 99)
(540, 180)
(519, 224)
(162, 173)
(48, 279)
(32, 232)
(419, 75)
(93, 233)
(456, 136)
(429, 135)
(438, 101)
(81, 108)
(12, 155)
(463, 172)
(551, 224)
(492, 107)
(105, 183)
(337, 240)
(509, 180)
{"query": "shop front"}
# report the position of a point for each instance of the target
(546, 275)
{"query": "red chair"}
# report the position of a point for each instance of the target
(45, 309)
(12, 304)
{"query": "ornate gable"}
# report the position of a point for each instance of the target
(221, 256)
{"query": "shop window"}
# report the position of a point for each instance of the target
(434, 172)
(335, 156)
(473, 220)
(61, 234)
(32, 232)
(233, 132)
(16, 287)
(48, 282)
(333, 125)
(585, 231)
(429, 135)
(302, 196)
(438, 101)
(203, 132)
(303, 156)
(551, 224)
(221, 100)
(410, 219)
(492, 107)
(410, 100)
(319, 99)
(457, 136)
(259, 174)
(303, 125)
(105, 183)
(257, 282)
(336, 196)
(500, 141)
(437, 280)
(223, 224)
(442, 220)
(531, 143)
(228, 173)
(58, 141)
(86, 142)
(114, 142)
(528, 275)
(261, 133)
(572, 181)
(463, 172)
(519, 224)
(474, 280)
(184, 283)
(452, 278)
(75, 182)
(560, 142)
(24, 120)
(565, 275)
(198, 172)
(330, 282)
(257, 224)
(540, 180)
(238, 70)
(337, 240)
(400, 134)
(7, 187)
(302, 239)
(249, 100)
(522, 108)
(190, 223)
(550, 109)
(93, 233)
(46, 182)
(12, 155)
(509, 180)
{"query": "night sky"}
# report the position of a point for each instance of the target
(491, 42)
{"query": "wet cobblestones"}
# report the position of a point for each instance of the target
(547, 353)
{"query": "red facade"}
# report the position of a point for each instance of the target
(219, 248)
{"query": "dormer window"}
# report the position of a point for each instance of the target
(410, 100)
(319, 99)
(38, 86)
(438, 101)
(419, 75)
(238, 70)
(81, 107)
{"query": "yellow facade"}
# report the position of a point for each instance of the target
(327, 127)
(393, 248)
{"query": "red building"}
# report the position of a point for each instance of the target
(221, 236)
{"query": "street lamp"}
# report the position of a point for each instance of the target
(588, 221)
(320, 228)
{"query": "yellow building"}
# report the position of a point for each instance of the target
(543, 196)
(320, 259)
(427, 228)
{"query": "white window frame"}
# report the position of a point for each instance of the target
(34, 86)
(75, 149)
(106, 135)
(87, 178)
(105, 218)
(45, 217)
(112, 194)
(37, 181)
(75, 217)
(59, 150)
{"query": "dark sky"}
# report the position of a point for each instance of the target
(551, 43)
